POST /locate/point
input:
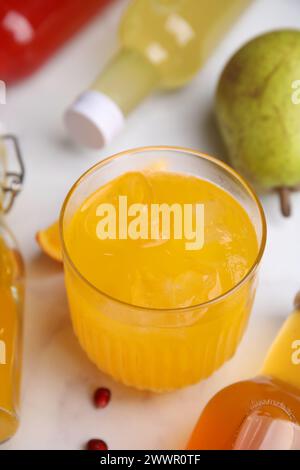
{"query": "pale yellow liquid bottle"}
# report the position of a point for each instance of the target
(164, 44)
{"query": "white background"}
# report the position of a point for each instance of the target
(58, 379)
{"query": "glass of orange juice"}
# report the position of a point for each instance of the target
(159, 306)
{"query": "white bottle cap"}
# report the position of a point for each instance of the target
(94, 119)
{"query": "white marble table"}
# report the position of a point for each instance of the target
(58, 378)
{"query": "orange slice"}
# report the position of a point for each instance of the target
(49, 241)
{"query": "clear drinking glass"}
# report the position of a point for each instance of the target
(160, 349)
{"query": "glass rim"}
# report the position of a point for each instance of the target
(175, 149)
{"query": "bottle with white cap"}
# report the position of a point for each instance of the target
(164, 43)
(262, 413)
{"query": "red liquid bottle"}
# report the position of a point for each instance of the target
(31, 30)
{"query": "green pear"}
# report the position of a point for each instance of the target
(258, 110)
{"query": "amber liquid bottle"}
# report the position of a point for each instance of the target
(262, 413)
(11, 298)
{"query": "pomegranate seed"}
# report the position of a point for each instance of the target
(102, 397)
(96, 444)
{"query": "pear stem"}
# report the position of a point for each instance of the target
(285, 201)
(297, 301)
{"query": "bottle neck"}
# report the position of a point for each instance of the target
(283, 360)
(260, 432)
(127, 80)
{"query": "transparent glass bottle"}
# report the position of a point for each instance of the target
(11, 295)
(163, 45)
(262, 413)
